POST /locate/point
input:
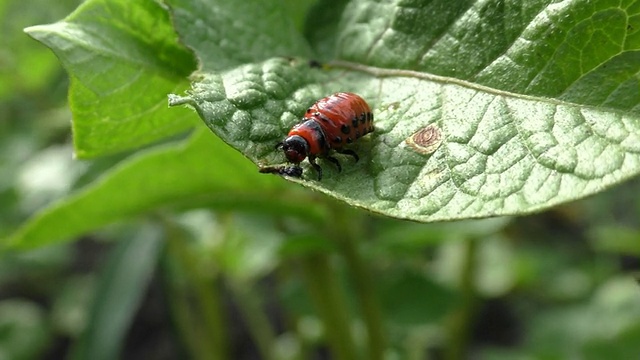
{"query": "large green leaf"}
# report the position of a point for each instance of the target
(501, 153)
(201, 171)
(491, 152)
(123, 59)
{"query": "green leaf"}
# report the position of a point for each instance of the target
(322, 28)
(579, 51)
(224, 34)
(563, 332)
(457, 39)
(494, 276)
(410, 238)
(500, 153)
(123, 58)
(625, 346)
(122, 285)
(297, 11)
(618, 239)
(411, 299)
(199, 172)
(27, 67)
(24, 329)
(486, 151)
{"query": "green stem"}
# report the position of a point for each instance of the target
(209, 301)
(209, 341)
(285, 271)
(348, 225)
(459, 327)
(329, 301)
(257, 322)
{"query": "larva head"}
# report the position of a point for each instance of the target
(295, 148)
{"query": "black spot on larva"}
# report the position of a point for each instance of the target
(357, 134)
(317, 114)
(345, 129)
(308, 110)
(337, 139)
(354, 122)
(363, 118)
(349, 140)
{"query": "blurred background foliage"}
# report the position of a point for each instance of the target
(204, 284)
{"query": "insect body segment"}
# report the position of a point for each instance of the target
(329, 124)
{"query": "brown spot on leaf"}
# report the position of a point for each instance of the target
(426, 140)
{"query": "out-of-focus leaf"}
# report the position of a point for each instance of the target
(625, 346)
(120, 289)
(24, 331)
(70, 310)
(564, 332)
(617, 239)
(411, 299)
(24, 65)
(201, 169)
(495, 273)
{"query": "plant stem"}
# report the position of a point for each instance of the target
(257, 322)
(207, 289)
(459, 327)
(348, 225)
(329, 301)
(286, 270)
(209, 341)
